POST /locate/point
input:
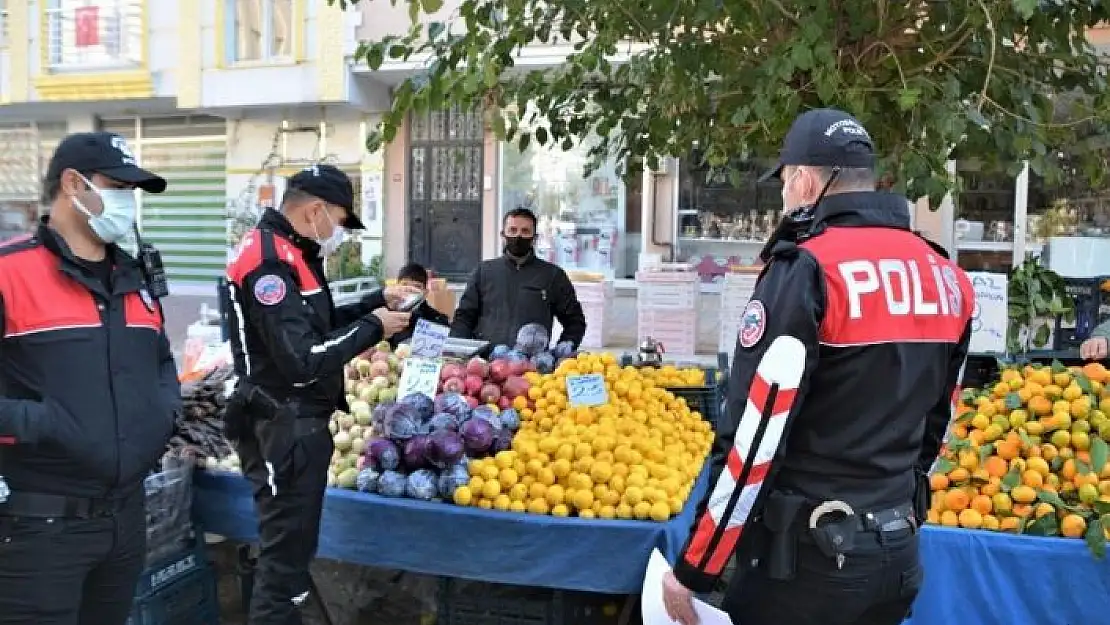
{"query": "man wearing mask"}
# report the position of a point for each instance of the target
(516, 289)
(290, 344)
(819, 494)
(89, 391)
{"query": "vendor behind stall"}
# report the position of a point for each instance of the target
(1097, 347)
(506, 293)
(415, 276)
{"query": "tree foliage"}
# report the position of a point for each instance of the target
(659, 77)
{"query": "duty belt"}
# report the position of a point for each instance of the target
(836, 538)
(44, 506)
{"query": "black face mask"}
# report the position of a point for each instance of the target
(518, 246)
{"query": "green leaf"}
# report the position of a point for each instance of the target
(1096, 539)
(1101, 507)
(1083, 382)
(1044, 526)
(1040, 337)
(1082, 467)
(1011, 480)
(1025, 440)
(958, 444)
(1058, 367)
(1056, 464)
(944, 466)
(908, 98)
(985, 452)
(801, 55)
(1099, 453)
(435, 29)
(1052, 499)
(430, 6)
(1013, 401)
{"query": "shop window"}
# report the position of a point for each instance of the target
(1069, 222)
(582, 219)
(259, 30)
(985, 217)
(724, 216)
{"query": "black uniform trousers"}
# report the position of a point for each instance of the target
(72, 571)
(876, 586)
(288, 497)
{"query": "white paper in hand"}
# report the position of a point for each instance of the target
(652, 609)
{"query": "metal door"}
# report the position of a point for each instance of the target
(445, 191)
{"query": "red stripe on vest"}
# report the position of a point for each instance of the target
(39, 298)
(7, 440)
(248, 257)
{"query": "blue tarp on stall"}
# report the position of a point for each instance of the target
(607, 556)
(971, 577)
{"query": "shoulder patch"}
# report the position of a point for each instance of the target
(269, 290)
(753, 323)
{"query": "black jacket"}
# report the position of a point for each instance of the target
(87, 379)
(503, 295)
(287, 336)
(864, 327)
(423, 311)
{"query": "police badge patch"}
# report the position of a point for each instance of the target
(752, 323)
(269, 290)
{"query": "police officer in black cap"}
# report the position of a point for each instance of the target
(840, 390)
(290, 344)
(89, 392)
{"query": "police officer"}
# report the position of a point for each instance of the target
(89, 392)
(290, 344)
(845, 365)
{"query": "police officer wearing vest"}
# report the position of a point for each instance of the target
(290, 344)
(840, 393)
(88, 394)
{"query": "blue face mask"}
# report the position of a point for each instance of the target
(117, 218)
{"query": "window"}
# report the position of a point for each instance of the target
(259, 30)
(106, 34)
(3, 23)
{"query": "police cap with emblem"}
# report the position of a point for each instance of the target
(330, 184)
(104, 153)
(825, 138)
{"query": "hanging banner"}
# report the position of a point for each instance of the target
(87, 26)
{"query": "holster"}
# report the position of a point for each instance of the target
(781, 516)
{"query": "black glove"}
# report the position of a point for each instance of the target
(237, 419)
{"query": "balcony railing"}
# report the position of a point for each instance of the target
(107, 35)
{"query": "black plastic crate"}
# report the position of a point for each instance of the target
(708, 399)
(1092, 307)
(177, 591)
(464, 602)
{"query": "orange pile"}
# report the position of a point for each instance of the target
(1029, 455)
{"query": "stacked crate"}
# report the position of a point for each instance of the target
(666, 304)
(594, 296)
(736, 291)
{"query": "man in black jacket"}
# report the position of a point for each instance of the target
(840, 391)
(516, 289)
(89, 391)
(414, 276)
(290, 345)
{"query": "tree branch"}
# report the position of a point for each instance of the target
(990, 64)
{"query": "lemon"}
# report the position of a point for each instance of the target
(491, 489)
(633, 495)
(583, 499)
(507, 477)
(546, 476)
(502, 502)
(463, 496)
(560, 510)
(518, 506)
(485, 504)
(642, 510)
(490, 472)
(601, 472)
(555, 495)
(607, 512)
(587, 514)
(475, 468)
(476, 483)
(504, 459)
(538, 506)
(660, 511)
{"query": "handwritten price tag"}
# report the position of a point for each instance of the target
(421, 376)
(428, 339)
(587, 390)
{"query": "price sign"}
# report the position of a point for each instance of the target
(421, 376)
(428, 339)
(587, 390)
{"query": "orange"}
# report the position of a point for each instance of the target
(982, 504)
(1049, 451)
(991, 488)
(1032, 479)
(938, 481)
(1022, 510)
(949, 518)
(971, 519)
(1010, 524)
(1023, 493)
(1095, 371)
(1043, 509)
(996, 466)
(1040, 406)
(956, 500)
(1005, 450)
(959, 475)
(1002, 503)
(1073, 526)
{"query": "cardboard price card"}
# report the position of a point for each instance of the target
(421, 376)
(428, 339)
(587, 390)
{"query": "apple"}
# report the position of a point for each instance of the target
(489, 393)
(477, 366)
(473, 384)
(471, 401)
(515, 386)
(379, 368)
(454, 385)
(452, 370)
(499, 370)
(504, 403)
(517, 367)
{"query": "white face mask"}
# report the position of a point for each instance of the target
(331, 244)
(117, 219)
(787, 209)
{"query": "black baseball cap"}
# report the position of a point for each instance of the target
(331, 184)
(104, 153)
(825, 138)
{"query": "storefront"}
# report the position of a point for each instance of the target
(1001, 219)
(25, 151)
(187, 223)
(587, 223)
